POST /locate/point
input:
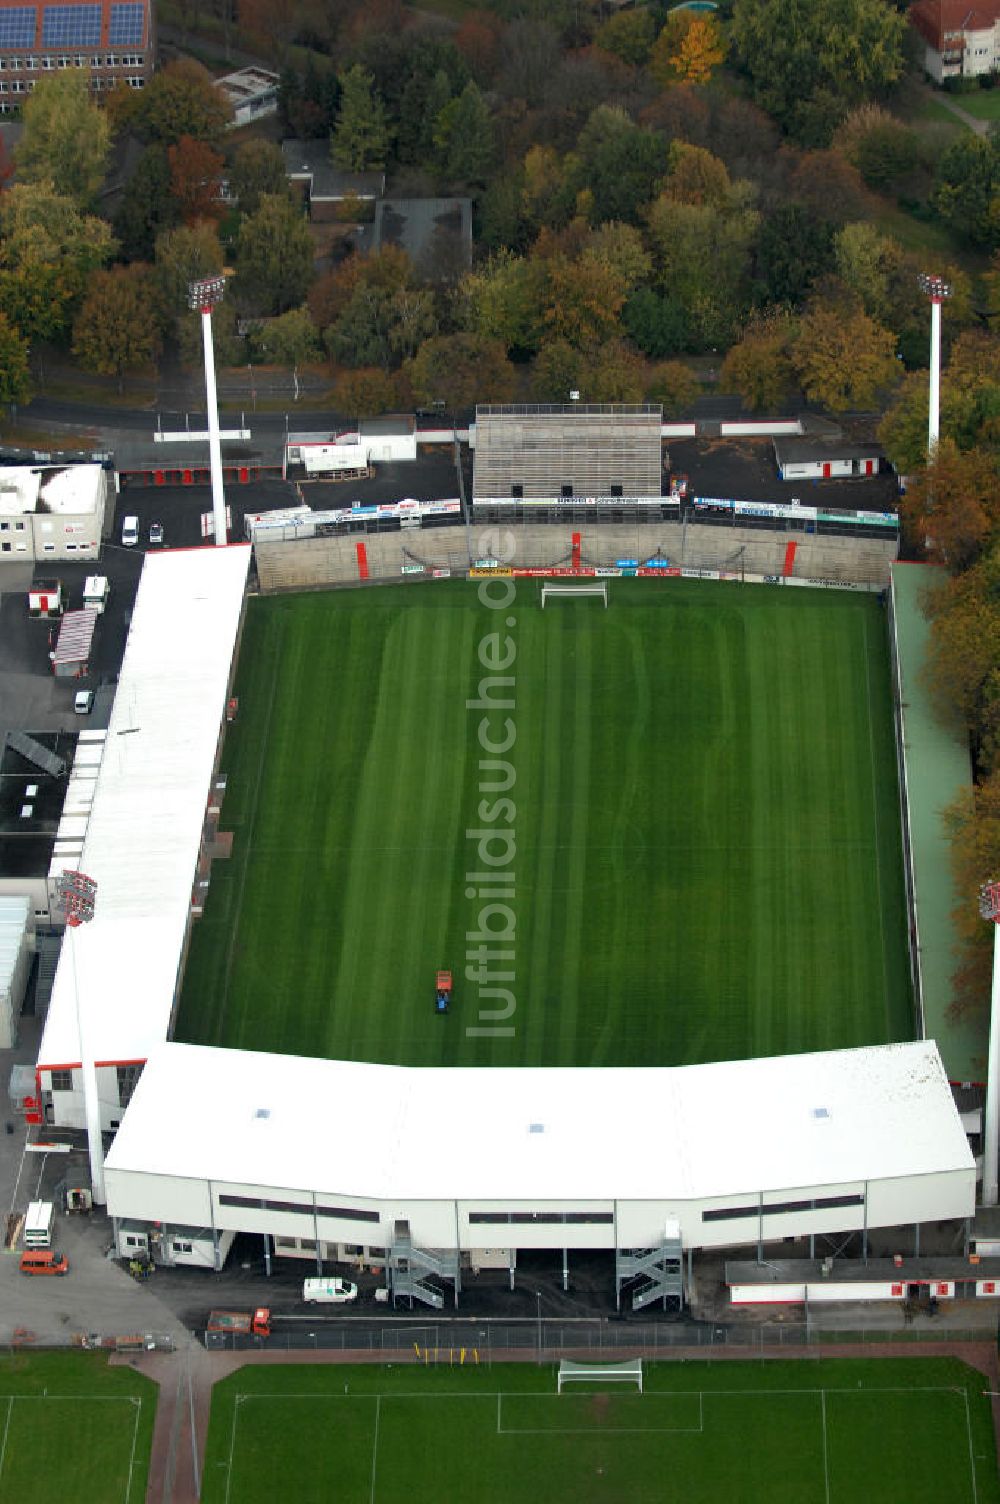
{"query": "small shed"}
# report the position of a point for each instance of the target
(71, 658)
(45, 598)
(826, 457)
(16, 947)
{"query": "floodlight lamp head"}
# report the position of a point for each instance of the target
(936, 288)
(204, 294)
(989, 901)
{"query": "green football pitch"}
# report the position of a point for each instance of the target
(702, 794)
(837, 1432)
(73, 1428)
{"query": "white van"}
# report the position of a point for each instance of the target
(130, 532)
(329, 1291)
(38, 1225)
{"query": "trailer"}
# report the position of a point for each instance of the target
(255, 1323)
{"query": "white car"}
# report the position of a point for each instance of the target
(329, 1291)
(83, 703)
(130, 532)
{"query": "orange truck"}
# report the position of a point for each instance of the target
(241, 1323)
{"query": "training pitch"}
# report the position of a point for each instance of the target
(771, 1433)
(702, 792)
(73, 1428)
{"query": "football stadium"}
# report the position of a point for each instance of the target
(515, 910)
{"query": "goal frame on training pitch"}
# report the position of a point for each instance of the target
(627, 1372)
(592, 587)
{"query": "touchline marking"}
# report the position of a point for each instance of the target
(378, 1411)
(826, 1469)
(135, 1436)
(232, 1447)
(878, 849)
(972, 1460)
(6, 1427)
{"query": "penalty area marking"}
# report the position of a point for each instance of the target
(134, 1400)
(600, 1429)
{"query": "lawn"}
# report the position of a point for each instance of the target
(704, 805)
(834, 1432)
(982, 104)
(72, 1427)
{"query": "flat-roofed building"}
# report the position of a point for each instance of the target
(113, 39)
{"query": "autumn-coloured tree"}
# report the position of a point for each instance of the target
(696, 176)
(974, 825)
(843, 358)
(578, 301)
(700, 52)
(953, 506)
(368, 391)
(621, 247)
(195, 175)
(674, 384)
(497, 301)
(182, 100)
(15, 378)
(116, 329)
(47, 251)
(478, 39)
(970, 404)
(66, 137)
(613, 372)
(759, 368)
(555, 371)
(461, 370)
(184, 255)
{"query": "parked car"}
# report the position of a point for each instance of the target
(156, 532)
(130, 532)
(83, 703)
(43, 1261)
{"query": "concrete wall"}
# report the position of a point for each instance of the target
(316, 563)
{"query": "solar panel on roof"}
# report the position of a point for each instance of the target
(126, 25)
(17, 26)
(71, 26)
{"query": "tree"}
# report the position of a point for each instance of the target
(688, 50)
(184, 256)
(657, 323)
(465, 138)
(47, 251)
(794, 251)
(974, 826)
(496, 301)
(967, 191)
(619, 162)
(116, 329)
(382, 325)
(675, 385)
(759, 369)
(703, 260)
(811, 61)
(308, 102)
(556, 371)
(866, 262)
(578, 301)
(884, 150)
(461, 370)
(290, 340)
(147, 207)
(424, 98)
(66, 137)
(621, 247)
(842, 357)
(195, 176)
(612, 372)
(15, 378)
(258, 168)
(360, 139)
(696, 177)
(368, 391)
(629, 36)
(970, 404)
(953, 506)
(274, 255)
(181, 100)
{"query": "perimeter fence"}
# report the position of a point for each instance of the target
(465, 1341)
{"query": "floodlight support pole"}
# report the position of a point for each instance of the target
(214, 441)
(991, 1126)
(937, 289)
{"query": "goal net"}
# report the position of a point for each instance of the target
(559, 592)
(629, 1372)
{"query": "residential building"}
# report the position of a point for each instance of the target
(961, 40)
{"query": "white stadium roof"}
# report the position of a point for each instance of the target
(700, 1131)
(148, 809)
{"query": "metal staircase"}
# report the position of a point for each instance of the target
(409, 1266)
(661, 1270)
(37, 753)
(48, 947)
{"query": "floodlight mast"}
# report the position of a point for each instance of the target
(937, 289)
(204, 295)
(77, 894)
(989, 907)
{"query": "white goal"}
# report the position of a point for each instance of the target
(629, 1372)
(593, 588)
